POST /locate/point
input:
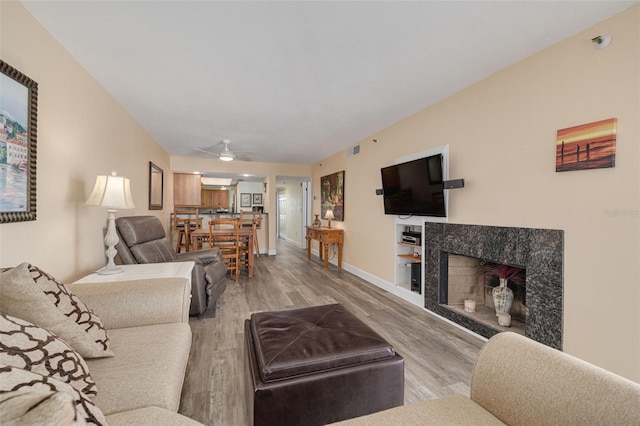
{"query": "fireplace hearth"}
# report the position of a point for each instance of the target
(538, 251)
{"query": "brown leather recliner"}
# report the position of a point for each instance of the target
(142, 240)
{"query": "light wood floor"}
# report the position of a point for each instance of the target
(438, 356)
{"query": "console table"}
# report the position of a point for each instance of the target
(325, 236)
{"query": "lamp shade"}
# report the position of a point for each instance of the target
(111, 192)
(329, 215)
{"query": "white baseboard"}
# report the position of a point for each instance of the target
(290, 241)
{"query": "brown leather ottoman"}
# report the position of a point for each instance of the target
(317, 365)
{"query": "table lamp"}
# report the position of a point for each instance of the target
(329, 216)
(113, 193)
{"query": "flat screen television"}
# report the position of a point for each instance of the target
(414, 188)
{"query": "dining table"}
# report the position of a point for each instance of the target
(200, 236)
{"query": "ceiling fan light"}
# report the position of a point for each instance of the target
(226, 157)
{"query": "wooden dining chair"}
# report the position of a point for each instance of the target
(252, 219)
(224, 234)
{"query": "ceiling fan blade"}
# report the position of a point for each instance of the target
(207, 152)
(226, 151)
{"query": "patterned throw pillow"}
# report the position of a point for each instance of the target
(69, 304)
(29, 294)
(25, 396)
(29, 347)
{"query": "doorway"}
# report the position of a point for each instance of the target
(293, 206)
(281, 230)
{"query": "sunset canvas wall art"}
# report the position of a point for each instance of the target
(588, 146)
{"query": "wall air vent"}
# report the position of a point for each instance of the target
(353, 150)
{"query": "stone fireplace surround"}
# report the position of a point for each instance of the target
(540, 251)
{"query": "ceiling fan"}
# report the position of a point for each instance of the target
(227, 154)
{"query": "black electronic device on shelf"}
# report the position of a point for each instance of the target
(416, 272)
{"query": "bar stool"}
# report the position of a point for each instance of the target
(246, 245)
(184, 226)
(253, 219)
(184, 235)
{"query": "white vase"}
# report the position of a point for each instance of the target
(502, 298)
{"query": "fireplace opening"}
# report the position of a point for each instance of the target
(467, 285)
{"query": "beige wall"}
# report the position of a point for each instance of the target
(250, 188)
(501, 134)
(82, 132)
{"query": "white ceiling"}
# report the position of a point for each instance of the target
(297, 81)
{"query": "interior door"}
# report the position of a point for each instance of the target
(306, 209)
(282, 214)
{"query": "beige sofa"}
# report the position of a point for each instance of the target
(147, 324)
(517, 381)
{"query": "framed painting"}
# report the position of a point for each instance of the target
(332, 195)
(588, 146)
(245, 199)
(257, 198)
(18, 124)
(156, 187)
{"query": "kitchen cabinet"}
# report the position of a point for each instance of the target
(215, 198)
(186, 189)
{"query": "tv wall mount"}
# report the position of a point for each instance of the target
(448, 184)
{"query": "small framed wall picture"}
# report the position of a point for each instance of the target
(156, 187)
(257, 198)
(587, 146)
(245, 199)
